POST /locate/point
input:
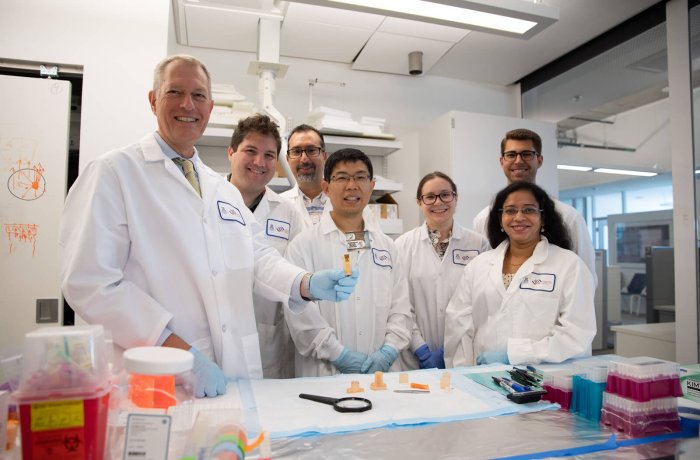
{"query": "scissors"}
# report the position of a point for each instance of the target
(349, 404)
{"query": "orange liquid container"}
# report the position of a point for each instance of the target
(154, 373)
(152, 391)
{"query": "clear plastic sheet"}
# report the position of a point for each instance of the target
(494, 437)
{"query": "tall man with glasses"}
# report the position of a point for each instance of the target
(253, 153)
(366, 332)
(306, 155)
(521, 157)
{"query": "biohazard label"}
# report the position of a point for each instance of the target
(68, 444)
(56, 415)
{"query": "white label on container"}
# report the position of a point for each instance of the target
(147, 437)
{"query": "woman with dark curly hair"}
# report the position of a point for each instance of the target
(530, 299)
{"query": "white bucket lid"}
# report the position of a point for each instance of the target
(157, 360)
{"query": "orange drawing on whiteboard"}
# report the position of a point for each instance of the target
(27, 181)
(22, 233)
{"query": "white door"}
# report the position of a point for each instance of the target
(34, 124)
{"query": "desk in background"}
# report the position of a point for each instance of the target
(657, 340)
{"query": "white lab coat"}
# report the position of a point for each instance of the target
(545, 315)
(282, 222)
(432, 282)
(581, 242)
(140, 251)
(377, 313)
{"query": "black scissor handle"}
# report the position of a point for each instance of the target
(321, 399)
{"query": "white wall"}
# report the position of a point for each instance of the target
(118, 44)
(407, 103)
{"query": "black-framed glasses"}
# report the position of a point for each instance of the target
(526, 155)
(512, 211)
(311, 152)
(445, 197)
(344, 179)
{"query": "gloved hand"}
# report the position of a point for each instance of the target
(332, 285)
(209, 380)
(349, 362)
(380, 360)
(430, 359)
(489, 357)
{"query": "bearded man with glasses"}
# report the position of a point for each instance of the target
(521, 157)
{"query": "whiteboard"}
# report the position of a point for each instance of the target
(34, 124)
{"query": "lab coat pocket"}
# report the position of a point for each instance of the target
(539, 315)
(251, 352)
(236, 246)
(381, 287)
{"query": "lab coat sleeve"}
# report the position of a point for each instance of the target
(583, 245)
(575, 327)
(311, 333)
(399, 322)
(459, 323)
(94, 246)
(406, 252)
(274, 275)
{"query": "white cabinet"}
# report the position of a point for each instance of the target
(213, 143)
(466, 146)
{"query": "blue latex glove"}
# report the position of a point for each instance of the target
(380, 360)
(209, 380)
(489, 357)
(430, 359)
(349, 362)
(333, 285)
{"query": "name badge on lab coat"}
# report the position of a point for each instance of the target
(539, 282)
(463, 256)
(227, 211)
(278, 228)
(381, 257)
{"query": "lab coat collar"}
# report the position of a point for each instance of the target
(456, 234)
(326, 224)
(538, 256)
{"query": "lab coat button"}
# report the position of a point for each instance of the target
(223, 328)
(214, 273)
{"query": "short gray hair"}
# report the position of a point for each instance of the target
(160, 69)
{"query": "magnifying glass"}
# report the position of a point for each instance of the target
(349, 404)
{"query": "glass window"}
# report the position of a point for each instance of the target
(649, 199)
(606, 204)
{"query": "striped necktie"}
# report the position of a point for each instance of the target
(188, 168)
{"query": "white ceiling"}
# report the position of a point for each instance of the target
(369, 42)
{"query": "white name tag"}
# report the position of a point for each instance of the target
(278, 228)
(463, 256)
(539, 282)
(381, 257)
(227, 211)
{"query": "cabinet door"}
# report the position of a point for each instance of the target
(34, 127)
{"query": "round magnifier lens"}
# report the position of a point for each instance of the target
(354, 404)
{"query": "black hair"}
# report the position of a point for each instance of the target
(305, 128)
(257, 123)
(346, 156)
(552, 223)
(433, 175)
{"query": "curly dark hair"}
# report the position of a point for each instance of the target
(257, 123)
(554, 228)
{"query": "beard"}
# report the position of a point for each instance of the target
(305, 177)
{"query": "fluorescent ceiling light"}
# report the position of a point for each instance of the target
(514, 18)
(574, 168)
(625, 172)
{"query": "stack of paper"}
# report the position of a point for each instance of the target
(335, 121)
(229, 106)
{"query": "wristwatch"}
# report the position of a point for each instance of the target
(306, 287)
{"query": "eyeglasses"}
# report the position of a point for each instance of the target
(344, 179)
(513, 211)
(445, 197)
(311, 152)
(526, 155)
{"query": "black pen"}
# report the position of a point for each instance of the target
(503, 384)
